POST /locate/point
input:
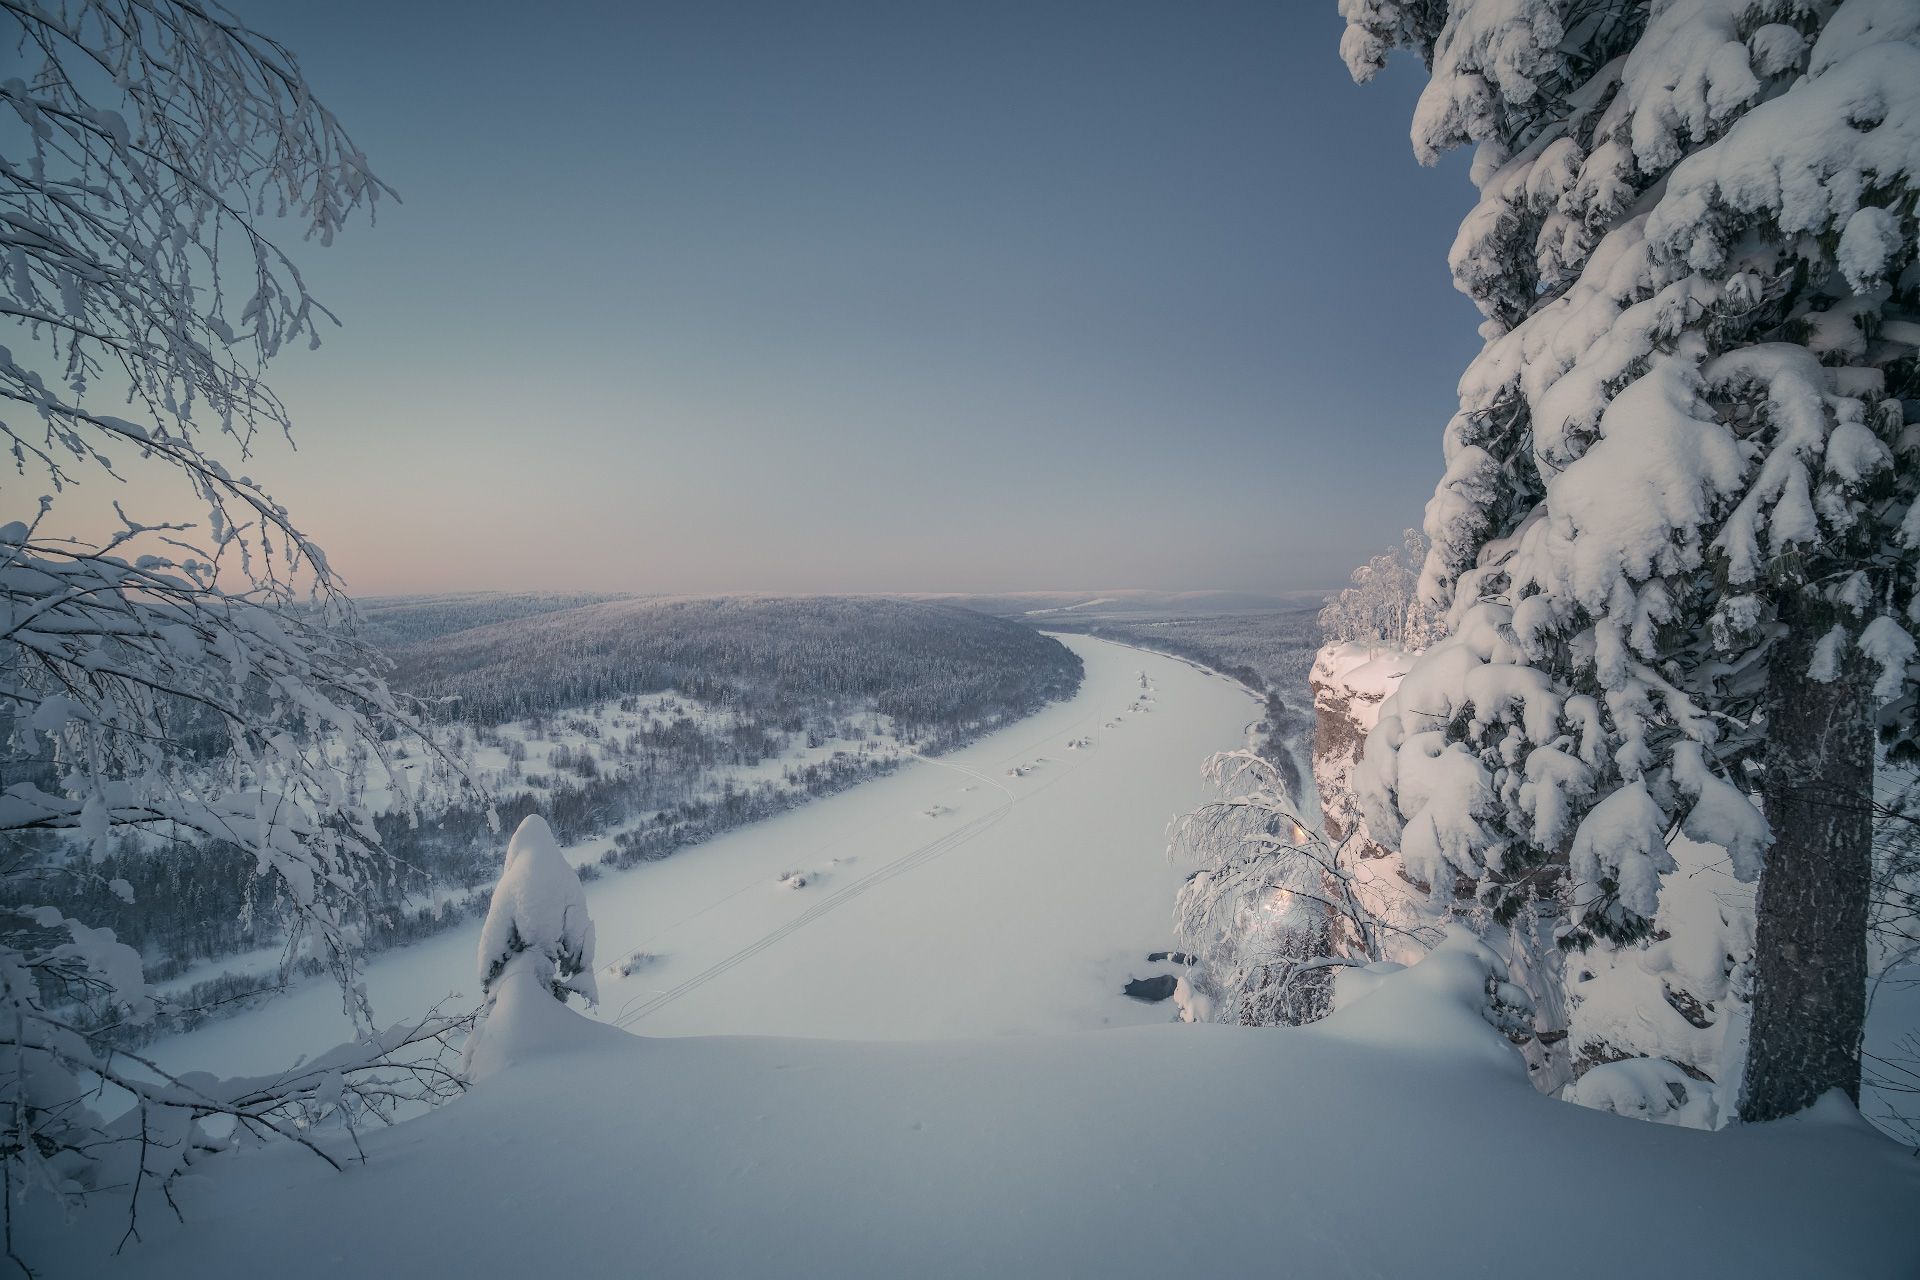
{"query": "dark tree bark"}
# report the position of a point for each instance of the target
(1810, 944)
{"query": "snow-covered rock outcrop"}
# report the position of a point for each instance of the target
(1349, 683)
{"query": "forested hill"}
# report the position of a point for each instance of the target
(941, 672)
(648, 723)
(394, 622)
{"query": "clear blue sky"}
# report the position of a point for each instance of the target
(869, 297)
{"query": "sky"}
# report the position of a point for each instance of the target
(892, 296)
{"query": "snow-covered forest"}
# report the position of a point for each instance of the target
(653, 726)
(1558, 871)
(939, 673)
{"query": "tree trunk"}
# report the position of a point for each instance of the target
(1538, 967)
(1810, 944)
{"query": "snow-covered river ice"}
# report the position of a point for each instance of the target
(1011, 887)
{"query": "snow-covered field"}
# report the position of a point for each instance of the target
(1010, 887)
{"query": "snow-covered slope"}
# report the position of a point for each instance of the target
(1013, 886)
(1399, 1137)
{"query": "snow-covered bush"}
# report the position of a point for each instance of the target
(1273, 909)
(1676, 535)
(1383, 606)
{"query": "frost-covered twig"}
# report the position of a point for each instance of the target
(1274, 905)
(168, 682)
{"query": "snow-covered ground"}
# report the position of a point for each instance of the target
(1010, 887)
(1398, 1138)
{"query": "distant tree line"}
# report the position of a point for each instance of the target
(937, 670)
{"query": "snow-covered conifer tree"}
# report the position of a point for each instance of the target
(536, 952)
(1676, 532)
(537, 924)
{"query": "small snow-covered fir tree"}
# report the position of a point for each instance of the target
(1676, 534)
(537, 924)
(536, 953)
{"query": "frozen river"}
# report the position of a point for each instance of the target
(1009, 888)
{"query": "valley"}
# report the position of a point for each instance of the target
(1012, 886)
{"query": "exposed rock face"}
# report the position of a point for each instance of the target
(1151, 990)
(1349, 682)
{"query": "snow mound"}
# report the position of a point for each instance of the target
(539, 908)
(1649, 1089)
(1454, 1004)
(524, 1023)
(536, 949)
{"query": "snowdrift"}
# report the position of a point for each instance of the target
(1399, 1137)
